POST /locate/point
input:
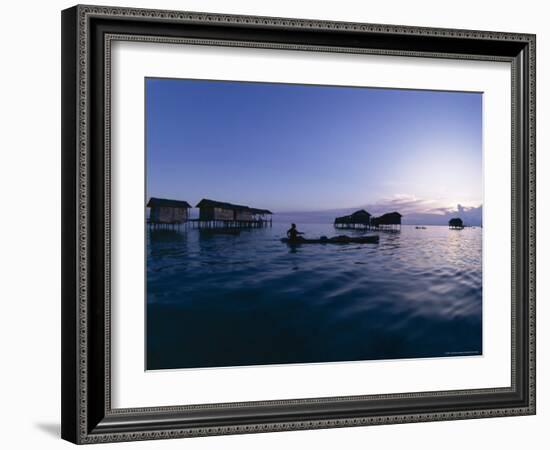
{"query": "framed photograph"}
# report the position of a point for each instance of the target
(277, 224)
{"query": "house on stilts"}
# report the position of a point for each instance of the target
(360, 219)
(389, 221)
(213, 213)
(456, 224)
(166, 213)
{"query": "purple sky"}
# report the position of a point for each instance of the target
(313, 148)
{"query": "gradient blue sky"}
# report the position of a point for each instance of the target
(310, 148)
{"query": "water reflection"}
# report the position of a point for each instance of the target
(217, 299)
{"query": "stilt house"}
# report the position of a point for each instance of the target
(166, 211)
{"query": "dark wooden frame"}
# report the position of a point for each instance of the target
(87, 416)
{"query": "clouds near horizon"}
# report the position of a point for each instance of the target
(415, 211)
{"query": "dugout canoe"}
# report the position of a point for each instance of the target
(334, 240)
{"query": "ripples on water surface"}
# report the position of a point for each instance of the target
(228, 300)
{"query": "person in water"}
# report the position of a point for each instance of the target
(293, 233)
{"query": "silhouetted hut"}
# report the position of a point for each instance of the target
(215, 213)
(456, 224)
(389, 221)
(214, 210)
(359, 219)
(168, 212)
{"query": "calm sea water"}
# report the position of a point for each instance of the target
(225, 300)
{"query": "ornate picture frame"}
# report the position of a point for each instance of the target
(87, 413)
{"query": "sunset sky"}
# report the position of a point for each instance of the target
(313, 148)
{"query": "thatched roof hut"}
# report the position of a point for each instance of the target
(167, 211)
(216, 210)
(456, 223)
(393, 218)
(358, 217)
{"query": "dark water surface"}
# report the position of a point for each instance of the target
(229, 300)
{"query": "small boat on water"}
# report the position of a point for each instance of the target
(343, 239)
